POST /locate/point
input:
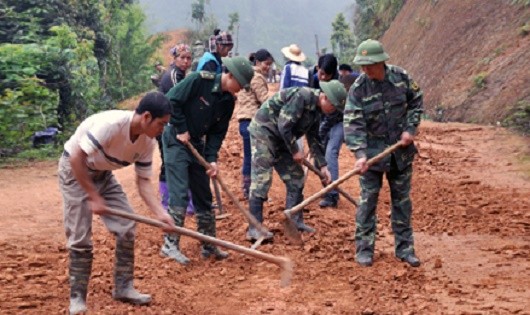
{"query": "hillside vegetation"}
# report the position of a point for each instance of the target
(472, 58)
(62, 61)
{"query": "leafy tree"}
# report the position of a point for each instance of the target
(233, 19)
(198, 13)
(61, 61)
(342, 39)
(204, 24)
(31, 90)
(373, 17)
(128, 66)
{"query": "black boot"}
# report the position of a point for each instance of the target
(292, 200)
(80, 268)
(206, 226)
(256, 209)
(330, 200)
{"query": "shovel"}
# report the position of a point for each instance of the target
(285, 264)
(290, 227)
(251, 219)
(315, 170)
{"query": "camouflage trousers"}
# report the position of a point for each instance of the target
(270, 152)
(401, 210)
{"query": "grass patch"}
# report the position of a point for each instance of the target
(45, 153)
(480, 80)
(479, 83)
(423, 22)
(524, 3)
(519, 120)
(524, 30)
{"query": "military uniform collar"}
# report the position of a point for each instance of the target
(217, 84)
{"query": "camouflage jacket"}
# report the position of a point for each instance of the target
(378, 112)
(290, 114)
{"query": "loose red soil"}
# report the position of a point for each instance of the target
(471, 196)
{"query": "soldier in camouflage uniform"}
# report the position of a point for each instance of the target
(281, 120)
(384, 106)
(203, 104)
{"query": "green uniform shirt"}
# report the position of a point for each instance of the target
(378, 112)
(201, 108)
(290, 114)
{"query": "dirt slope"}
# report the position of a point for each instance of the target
(449, 45)
(471, 197)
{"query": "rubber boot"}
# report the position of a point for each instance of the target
(80, 268)
(164, 194)
(364, 259)
(364, 252)
(124, 274)
(246, 186)
(190, 210)
(256, 209)
(330, 200)
(170, 248)
(292, 200)
(206, 226)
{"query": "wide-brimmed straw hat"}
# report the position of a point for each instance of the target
(294, 53)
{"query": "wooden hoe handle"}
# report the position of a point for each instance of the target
(251, 219)
(283, 262)
(340, 180)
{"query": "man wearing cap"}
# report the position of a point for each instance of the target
(203, 104)
(384, 107)
(280, 121)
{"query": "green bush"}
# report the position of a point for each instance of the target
(61, 61)
(520, 118)
(521, 2)
(26, 104)
(480, 80)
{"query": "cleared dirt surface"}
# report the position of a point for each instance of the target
(471, 196)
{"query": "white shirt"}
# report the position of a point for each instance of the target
(105, 138)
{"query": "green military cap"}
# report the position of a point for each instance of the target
(241, 69)
(335, 92)
(369, 52)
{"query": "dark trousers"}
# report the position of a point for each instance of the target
(247, 154)
(183, 171)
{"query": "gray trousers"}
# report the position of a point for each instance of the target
(78, 216)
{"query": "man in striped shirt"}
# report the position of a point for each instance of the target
(102, 143)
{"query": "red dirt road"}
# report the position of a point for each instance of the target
(471, 197)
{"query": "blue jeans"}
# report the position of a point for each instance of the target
(334, 143)
(247, 153)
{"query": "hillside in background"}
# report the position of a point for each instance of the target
(472, 58)
(269, 24)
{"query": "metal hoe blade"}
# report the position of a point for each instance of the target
(291, 231)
